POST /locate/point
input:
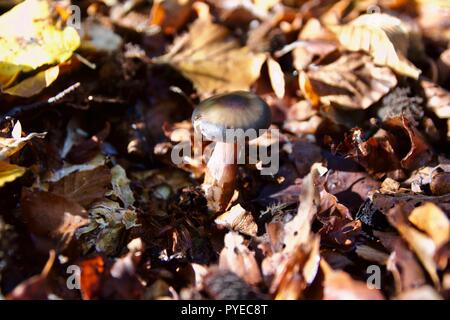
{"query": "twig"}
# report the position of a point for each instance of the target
(18, 110)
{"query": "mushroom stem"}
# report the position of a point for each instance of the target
(220, 176)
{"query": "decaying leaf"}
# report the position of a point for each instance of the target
(236, 257)
(107, 223)
(83, 187)
(386, 38)
(213, 61)
(353, 81)
(238, 219)
(121, 186)
(50, 215)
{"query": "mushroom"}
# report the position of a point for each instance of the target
(226, 119)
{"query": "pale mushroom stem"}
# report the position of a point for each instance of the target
(220, 176)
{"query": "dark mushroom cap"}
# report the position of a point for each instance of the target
(235, 110)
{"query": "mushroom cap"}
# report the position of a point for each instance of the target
(215, 116)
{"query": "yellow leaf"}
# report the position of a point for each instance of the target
(37, 42)
(384, 37)
(211, 60)
(9, 172)
(34, 84)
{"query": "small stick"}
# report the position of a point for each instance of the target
(16, 111)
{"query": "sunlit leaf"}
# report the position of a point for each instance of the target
(9, 172)
(384, 37)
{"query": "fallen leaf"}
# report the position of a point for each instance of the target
(236, 257)
(34, 84)
(422, 293)
(9, 172)
(91, 277)
(353, 81)
(422, 245)
(385, 37)
(10, 146)
(339, 285)
(121, 186)
(438, 99)
(170, 15)
(51, 216)
(36, 43)
(276, 76)
(83, 187)
(238, 219)
(211, 60)
(402, 263)
(433, 221)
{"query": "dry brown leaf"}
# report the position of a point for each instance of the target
(296, 265)
(238, 219)
(83, 187)
(353, 81)
(422, 245)
(213, 61)
(236, 257)
(339, 285)
(422, 293)
(402, 263)
(384, 37)
(438, 99)
(50, 215)
(433, 221)
(170, 15)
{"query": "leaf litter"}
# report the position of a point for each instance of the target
(91, 116)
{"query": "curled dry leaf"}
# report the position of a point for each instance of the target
(213, 61)
(353, 81)
(420, 153)
(238, 219)
(422, 245)
(10, 146)
(298, 261)
(121, 186)
(236, 257)
(50, 215)
(402, 263)
(83, 187)
(386, 38)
